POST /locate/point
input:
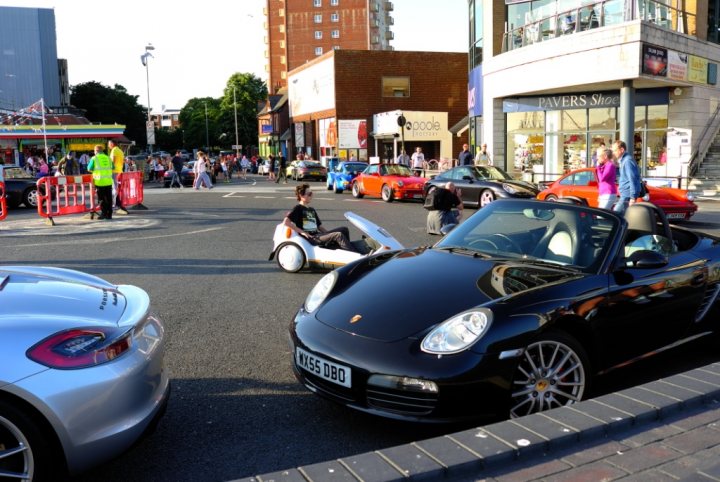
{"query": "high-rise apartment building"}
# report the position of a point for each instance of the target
(29, 67)
(301, 30)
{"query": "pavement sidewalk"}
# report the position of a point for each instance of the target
(665, 430)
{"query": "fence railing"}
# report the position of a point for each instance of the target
(710, 131)
(596, 15)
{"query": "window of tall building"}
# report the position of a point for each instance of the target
(318, 18)
(318, 50)
(335, 34)
(334, 2)
(334, 17)
(317, 3)
(714, 21)
(476, 33)
(396, 86)
(336, 47)
(318, 34)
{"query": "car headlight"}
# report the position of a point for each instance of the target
(510, 189)
(690, 197)
(400, 184)
(321, 290)
(458, 333)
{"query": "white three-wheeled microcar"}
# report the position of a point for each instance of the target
(293, 252)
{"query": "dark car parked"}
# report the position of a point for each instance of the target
(187, 177)
(481, 185)
(529, 301)
(302, 170)
(20, 188)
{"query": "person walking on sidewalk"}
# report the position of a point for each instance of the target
(245, 166)
(201, 175)
(177, 164)
(101, 168)
(282, 166)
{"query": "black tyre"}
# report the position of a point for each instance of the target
(486, 197)
(553, 371)
(26, 452)
(356, 191)
(387, 193)
(551, 198)
(30, 197)
(290, 257)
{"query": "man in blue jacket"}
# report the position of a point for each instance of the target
(629, 177)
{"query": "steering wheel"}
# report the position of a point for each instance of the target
(477, 243)
(507, 243)
(510, 244)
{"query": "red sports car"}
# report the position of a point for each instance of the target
(389, 181)
(583, 184)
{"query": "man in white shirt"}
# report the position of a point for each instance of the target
(418, 158)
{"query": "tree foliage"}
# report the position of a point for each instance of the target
(245, 91)
(203, 121)
(111, 106)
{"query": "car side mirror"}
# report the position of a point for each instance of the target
(468, 178)
(646, 259)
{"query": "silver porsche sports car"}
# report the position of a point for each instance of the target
(81, 371)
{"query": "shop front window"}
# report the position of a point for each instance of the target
(603, 119)
(525, 142)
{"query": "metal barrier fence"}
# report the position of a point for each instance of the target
(63, 195)
(131, 189)
(3, 201)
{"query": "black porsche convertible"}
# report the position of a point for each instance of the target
(524, 303)
(481, 185)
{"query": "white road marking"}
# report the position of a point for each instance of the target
(265, 197)
(190, 213)
(112, 240)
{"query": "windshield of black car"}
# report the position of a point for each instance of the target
(491, 172)
(559, 234)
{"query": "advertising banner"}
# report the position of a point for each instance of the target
(475, 92)
(312, 89)
(328, 132)
(299, 134)
(698, 69)
(655, 61)
(677, 65)
(352, 133)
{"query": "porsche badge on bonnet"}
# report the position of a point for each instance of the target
(355, 318)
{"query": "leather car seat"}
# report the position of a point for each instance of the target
(561, 241)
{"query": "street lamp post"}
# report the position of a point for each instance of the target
(237, 139)
(207, 132)
(144, 59)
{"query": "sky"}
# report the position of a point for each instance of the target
(199, 45)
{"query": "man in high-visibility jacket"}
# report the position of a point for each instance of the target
(118, 160)
(101, 168)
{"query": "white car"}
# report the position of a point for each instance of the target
(264, 167)
(293, 252)
(81, 371)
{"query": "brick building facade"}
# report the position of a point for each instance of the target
(302, 30)
(355, 85)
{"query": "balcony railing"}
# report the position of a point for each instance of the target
(597, 15)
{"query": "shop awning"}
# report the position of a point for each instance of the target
(60, 132)
(461, 126)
